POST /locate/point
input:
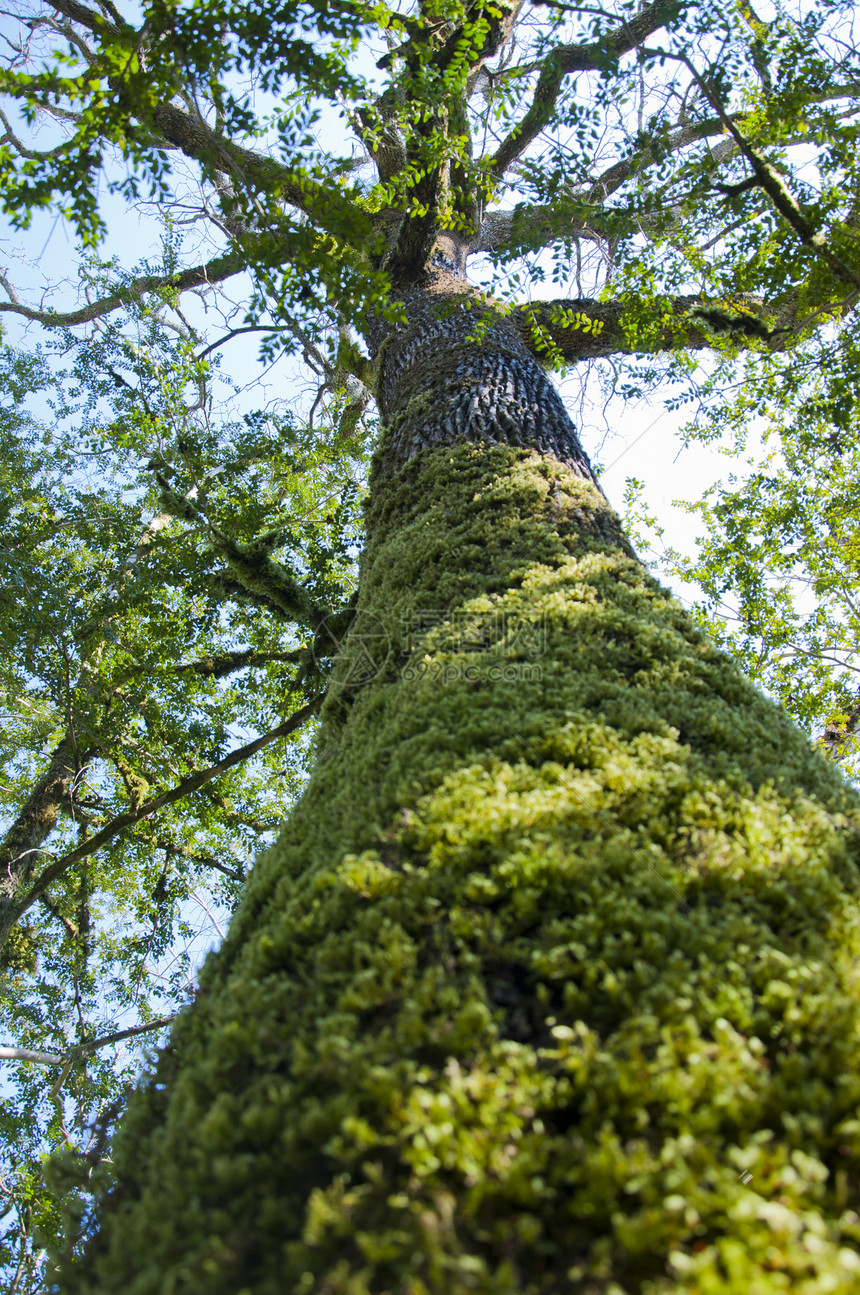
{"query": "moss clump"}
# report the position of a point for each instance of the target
(20, 953)
(550, 983)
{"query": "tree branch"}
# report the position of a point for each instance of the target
(566, 59)
(94, 22)
(198, 276)
(532, 227)
(24, 1054)
(173, 127)
(197, 140)
(71, 929)
(542, 224)
(209, 862)
(91, 1045)
(582, 328)
(33, 155)
(681, 137)
(767, 178)
(218, 667)
(261, 575)
(83, 1049)
(237, 332)
(379, 132)
(22, 843)
(10, 912)
(545, 223)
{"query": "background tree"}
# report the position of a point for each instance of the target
(471, 1026)
(778, 564)
(156, 703)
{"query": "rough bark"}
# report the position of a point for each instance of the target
(460, 370)
(548, 986)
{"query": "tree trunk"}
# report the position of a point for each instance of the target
(21, 854)
(547, 984)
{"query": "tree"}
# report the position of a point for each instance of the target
(137, 644)
(548, 983)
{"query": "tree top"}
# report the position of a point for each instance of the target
(684, 173)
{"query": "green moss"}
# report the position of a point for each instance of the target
(550, 983)
(20, 953)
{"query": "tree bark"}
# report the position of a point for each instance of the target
(438, 386)
(547, 984)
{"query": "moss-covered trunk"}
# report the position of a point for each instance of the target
(549, 985)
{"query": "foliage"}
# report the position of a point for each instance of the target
(132, 644)
(778, 564)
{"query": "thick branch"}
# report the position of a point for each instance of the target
(218, 667)
(193, 137)
(223, 582)
(24, 1054)
(532, 227)
(89, 18)
(439, 41)
(10, 912)
(379, 132)
(582, 328)
(172, 126)
(768, 179)
(328, 206)
(82, 1049)
(567, 59)
(208, 862)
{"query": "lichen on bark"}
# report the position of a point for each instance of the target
(549, 984)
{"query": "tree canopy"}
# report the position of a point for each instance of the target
(637, 187)
(156, 699)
